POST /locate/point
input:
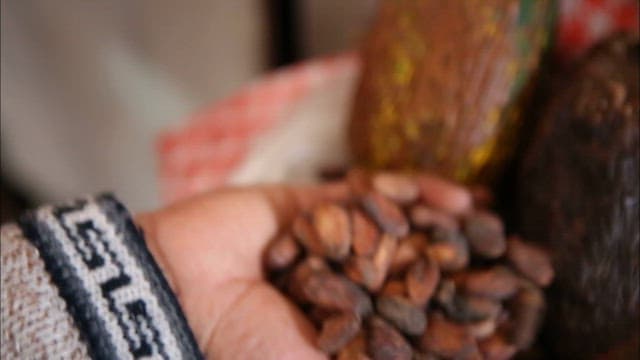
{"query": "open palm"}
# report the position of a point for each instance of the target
(210, 249)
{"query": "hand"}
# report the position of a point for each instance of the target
(210, 250)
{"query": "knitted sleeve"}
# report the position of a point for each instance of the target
(78, 281)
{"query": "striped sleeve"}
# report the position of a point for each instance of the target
(113, 289)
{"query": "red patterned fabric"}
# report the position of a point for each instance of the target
(203, 154)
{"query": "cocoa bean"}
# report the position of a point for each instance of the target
(385, 342)
(405, 254)
(527, 311)
(356, 349)
(400, 188)
(485, 233)
(335, 292)
(365, 234)
(421, 279)
(531, 261)
(382, 259)
(337, 331)
(447, 339)
(359, 182)
(281, 252)
(496, 283)
(424, 217)
(394, 288)
(424, 356)
(333, 227)
(465, 308)
(404, 315)
(306, 235)
(302, 272)
(448, 248)
(482, 329)
(318, 315)
(386, 214)
(362, 270)
(444, 195)
(496, 347)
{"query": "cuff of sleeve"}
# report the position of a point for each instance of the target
(114, 290)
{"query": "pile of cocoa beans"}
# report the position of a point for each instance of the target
(386, 275)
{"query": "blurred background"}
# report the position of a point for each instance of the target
(88, 85)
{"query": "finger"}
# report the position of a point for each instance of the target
(262, 324)
(444, 195)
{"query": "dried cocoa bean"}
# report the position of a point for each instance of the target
(400, 188)
(447, 339)
(531, 261)
(365, 234)
(448, 248)
(359, 182)
(333, 227)
(465, 308)
(497, 348)
(362, 270)
(306, 234)
(281, 252)
(385, 342)
(424, 217)
(444, 195)
(382, 259)
(482, 329)
(406, 253)
(404, 315)
(335, 292)
(485, 233)
(527, 310)
(337, 331)
(356, 349)
(421, 279)
(386, 214)
(394, 288)
(302, 272)
(318, 315)
(496, 283)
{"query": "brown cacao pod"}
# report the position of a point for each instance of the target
(579, 194)
(442, 81)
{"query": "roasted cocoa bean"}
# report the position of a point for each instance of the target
(356, 349)
(400, 188)
(359, 181)
(496, 347)
(421, 281)
(404, 315)
(496, 283)
(302, 272)
(447, 339)
(406, 253)
(281, 252)
(305, 233)
(337, 331)
(362, 270)
(465, 309)
(333, 227)
(482, 329)
(527, 311)
(386, 214)
(365, 234)
(530, 260)
(424, 217)
(335, 292)
(394, 288)
(485, 233)
(385, 342)
(382, 259)
(448, 248)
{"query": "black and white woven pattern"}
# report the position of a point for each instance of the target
(113, 288)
